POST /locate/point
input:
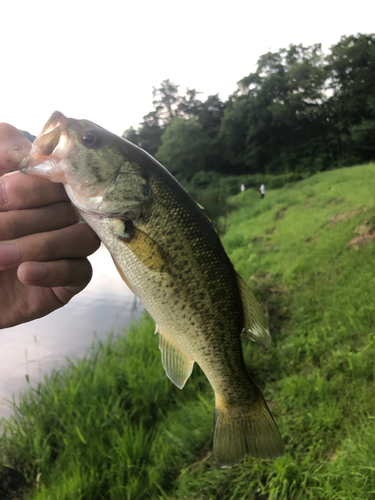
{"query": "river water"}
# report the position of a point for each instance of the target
(33, 349)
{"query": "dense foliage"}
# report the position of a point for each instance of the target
(300, 111)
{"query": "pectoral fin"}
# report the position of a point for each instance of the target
(255, 323)
(177, 365)
(144, 247)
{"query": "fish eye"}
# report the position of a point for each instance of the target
(91, 139)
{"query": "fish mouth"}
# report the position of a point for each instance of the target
(48, 149)
(49, 137)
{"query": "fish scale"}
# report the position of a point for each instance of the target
(168, 253)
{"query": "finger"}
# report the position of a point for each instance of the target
(18, 223)
(72, 242)
(20, 191)
(73, 273)
(65, 293)
(14, 147)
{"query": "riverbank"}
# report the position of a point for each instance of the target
(112, 426)
(105, 424)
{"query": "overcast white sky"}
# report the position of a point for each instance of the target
(100, 59)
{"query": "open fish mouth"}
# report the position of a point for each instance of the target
(49, 148)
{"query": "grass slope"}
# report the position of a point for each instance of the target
(113, 426)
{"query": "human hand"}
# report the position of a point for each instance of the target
(43, 247)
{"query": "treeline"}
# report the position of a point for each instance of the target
(301, 111)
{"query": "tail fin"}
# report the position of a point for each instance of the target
(240, 431)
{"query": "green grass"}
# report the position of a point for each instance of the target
(104, 427)
(112, 426)
(212, 190)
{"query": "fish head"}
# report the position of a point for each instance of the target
(93, 164)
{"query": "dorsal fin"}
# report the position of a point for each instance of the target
(255, 323)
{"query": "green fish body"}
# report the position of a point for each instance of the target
(168, 253)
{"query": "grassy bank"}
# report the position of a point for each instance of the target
(101, 427)
(113, 426)
(214, 190)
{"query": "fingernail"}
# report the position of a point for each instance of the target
(9, 254)
(37, 272)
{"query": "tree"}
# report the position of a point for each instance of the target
(148, 135)
(189, 106)
(273, 122)
(168, 104)
(166, 101)
(131, 135)
(182, 148)
(299, 111)
(352, 105)
(210, 114)
(233, 135)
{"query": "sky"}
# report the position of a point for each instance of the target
(100, 60)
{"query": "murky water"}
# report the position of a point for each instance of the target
(106, 305)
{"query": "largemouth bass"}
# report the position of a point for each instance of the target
(169, 255)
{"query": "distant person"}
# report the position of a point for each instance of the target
(242, 188)
(43, 248)
(262, 190)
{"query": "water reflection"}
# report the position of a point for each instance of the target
(32, 349)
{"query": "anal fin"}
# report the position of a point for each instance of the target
(177, 365)
(255, 323)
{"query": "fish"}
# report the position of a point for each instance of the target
(170, 256)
